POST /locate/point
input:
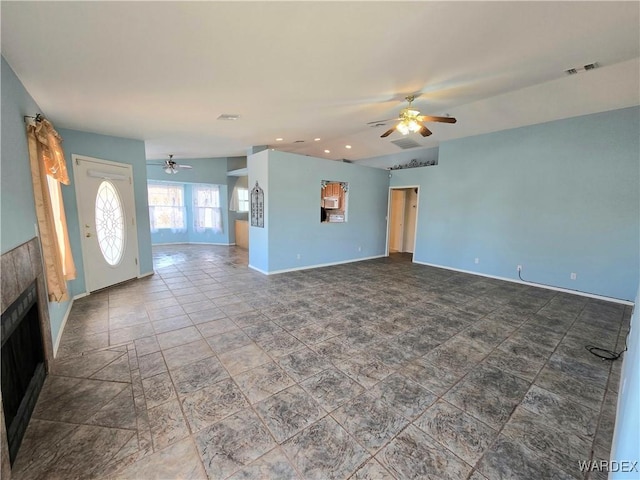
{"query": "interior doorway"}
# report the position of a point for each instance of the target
(402, 219)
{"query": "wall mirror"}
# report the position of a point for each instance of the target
(334, 201)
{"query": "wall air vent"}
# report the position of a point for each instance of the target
(228, 116)
(571, 71)
(405, 143)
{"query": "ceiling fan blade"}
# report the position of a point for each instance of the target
(388, 132)
(424, 131)
(383, 121)
(184, 166)
(430, 118)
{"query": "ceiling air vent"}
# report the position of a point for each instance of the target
(229, 116)
(584, 68)
(405, 143)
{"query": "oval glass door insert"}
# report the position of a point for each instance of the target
(109, 223)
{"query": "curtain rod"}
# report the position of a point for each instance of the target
(38, 117)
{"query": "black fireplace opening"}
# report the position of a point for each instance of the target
(23, 368)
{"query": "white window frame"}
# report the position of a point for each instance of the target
(207, 213)
(176, 212)
(243, 199)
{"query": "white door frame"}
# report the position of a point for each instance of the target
(415, 233)
(134, 240)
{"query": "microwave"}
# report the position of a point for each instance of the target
(331, 202)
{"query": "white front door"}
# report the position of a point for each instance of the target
(106, 208)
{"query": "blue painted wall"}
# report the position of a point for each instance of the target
(205, 170)
(294, 226)
(115, 149)
(557, 198)
(17, 214)
(258, 167)
(17, 206)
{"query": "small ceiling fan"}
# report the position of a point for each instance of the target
(410, 121)
(171, 167)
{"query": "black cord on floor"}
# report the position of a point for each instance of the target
(601, 353)
(604, 354)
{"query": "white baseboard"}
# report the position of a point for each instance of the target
(148, 274)
(319, 265)
(56, 344)
(258, 269)
(532, 284)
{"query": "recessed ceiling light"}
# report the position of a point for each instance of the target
(347, 146)
(229, 116)
(279, 139)
(327, 151)
(316, 139)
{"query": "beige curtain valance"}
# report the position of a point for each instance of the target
(48, 171)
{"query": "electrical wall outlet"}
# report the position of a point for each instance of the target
(519, 268)
(477, 260)
(574, 276)
(298, 256)
(359, 248)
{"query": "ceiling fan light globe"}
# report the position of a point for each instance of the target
(403, 128)
(167, 170)
(413, 126)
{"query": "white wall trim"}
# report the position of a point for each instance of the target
(532, 284)
(258, 269)
(319, 265)
(148, 274)
(56, 344)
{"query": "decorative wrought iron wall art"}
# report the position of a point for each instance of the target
(415, 163)
(257, 206)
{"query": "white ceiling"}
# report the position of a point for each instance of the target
(163, 71)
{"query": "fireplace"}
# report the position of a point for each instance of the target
(25, 327)
(23, 368)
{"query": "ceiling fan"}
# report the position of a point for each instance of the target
(171, 167)
(410, 121)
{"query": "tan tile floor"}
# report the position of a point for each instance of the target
(377, 369)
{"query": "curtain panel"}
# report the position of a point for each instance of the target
(207, 214)
(48, 171)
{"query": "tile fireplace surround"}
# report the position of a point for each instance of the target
(20, 267)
